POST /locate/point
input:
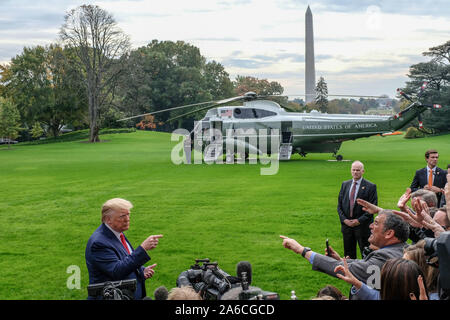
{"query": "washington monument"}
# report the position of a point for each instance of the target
(310, 71)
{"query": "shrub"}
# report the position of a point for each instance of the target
(413, 133)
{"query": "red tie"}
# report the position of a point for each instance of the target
(352, 198)
(122, 238)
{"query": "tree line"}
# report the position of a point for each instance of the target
(91, 78)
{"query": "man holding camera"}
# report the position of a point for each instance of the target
(109, 255)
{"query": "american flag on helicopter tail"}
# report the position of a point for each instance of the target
(226, 113)
(437, 106)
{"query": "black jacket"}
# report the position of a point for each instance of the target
(367, 191)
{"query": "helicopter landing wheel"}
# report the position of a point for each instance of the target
(339, 157)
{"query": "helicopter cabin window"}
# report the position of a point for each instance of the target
(251, 113)
(261, 113)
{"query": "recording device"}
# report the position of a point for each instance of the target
(212, 282)
(207, 279)
(244, 266)
(113, 290)
(255, 293)
(328, 248)
(438, 255)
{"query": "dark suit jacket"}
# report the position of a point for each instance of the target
(367, 191)
(421, 180)
(107, 260)
(360, 268)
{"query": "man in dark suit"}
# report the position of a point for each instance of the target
(431, 177)
(354, 221)
(110, 256)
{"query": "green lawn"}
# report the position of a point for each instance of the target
(52, 195)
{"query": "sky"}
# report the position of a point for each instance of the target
(362, 47)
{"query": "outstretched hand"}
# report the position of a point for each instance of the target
(149, 271)
(291, 244)
(368, 207)
(333, 254)
(447, 190)
(401, 204)
(342, 272)
(151, 242)
(408, 217)
(423, 292)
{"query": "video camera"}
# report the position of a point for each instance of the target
(438, 255)
(212, 282)
(113, 290)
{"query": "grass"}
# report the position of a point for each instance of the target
(52, 195)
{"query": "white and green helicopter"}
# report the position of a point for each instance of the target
(251, 127)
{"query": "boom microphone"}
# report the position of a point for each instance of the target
(161, 293)
(244, 266)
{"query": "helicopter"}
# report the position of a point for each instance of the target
(247, 128)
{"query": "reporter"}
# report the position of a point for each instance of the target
(416, 253)
(388, 234)
(400, 279)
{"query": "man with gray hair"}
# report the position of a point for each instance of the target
(426, 195)
(388, 234)
(109, 254)
(354, 221)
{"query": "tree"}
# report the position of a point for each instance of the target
(168, 74)
(45, 86)
(36, 130)
(101, 47)
(9, 120)
(244, 84)
(437, 73)
(322, 95)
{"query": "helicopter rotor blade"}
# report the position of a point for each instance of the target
(170, 109)
(338, 95)
(218, 103)
(215, 103)
(188, 113)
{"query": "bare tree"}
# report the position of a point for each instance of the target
(101, 48)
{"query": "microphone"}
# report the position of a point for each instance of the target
(244, 266)
(161, 293)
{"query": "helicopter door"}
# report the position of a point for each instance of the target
(214, 149)
(286, 140)
(215, 125)
(286, 132)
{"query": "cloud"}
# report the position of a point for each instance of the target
(228, 39)
(282, 39)
(408, 7)
(245, 63)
